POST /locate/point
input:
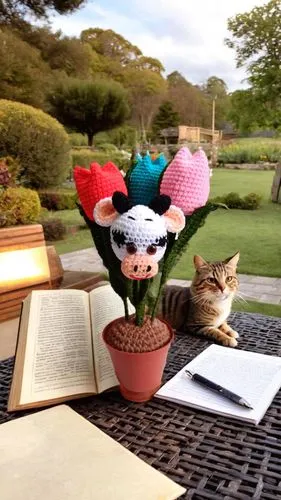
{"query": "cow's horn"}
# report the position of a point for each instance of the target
(121, 202)
(160, 204)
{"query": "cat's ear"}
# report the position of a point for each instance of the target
(233, 261)
(199, 262)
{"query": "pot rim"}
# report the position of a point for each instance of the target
(172, 336)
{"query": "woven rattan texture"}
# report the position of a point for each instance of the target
(213, 457)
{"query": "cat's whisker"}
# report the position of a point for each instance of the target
(239, 297)
(200, 297)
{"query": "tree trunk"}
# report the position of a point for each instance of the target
(90, 139)
(143, 131)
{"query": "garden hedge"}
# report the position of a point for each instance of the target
(37, 141)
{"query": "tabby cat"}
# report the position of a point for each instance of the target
(204, 307)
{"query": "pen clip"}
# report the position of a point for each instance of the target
(189, 374)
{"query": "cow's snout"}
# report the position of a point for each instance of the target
(139, 267)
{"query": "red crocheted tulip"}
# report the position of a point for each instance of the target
(97, 183)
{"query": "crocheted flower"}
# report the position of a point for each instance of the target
(144, 179)
(187, 180)
(97, 183)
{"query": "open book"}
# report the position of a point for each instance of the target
(255, 377)
(56, 454)
(60, 352)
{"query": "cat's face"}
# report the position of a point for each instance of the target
(215, 281)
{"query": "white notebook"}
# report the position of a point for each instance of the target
(56, 454)
(255, 377)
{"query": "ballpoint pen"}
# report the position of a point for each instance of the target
(218, 388)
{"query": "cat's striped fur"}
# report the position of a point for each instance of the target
(205, 306)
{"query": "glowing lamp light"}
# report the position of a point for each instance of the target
(22, 268)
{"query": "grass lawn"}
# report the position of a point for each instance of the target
(257, 234)
(258, 307)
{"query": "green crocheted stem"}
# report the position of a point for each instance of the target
(193, 223)
(125, 302)
(138, 293)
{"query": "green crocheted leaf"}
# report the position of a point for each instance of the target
(174, 252)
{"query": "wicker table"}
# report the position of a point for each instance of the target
(212, 456)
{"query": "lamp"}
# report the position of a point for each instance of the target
(24, 266)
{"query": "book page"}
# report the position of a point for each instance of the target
(105, 306)
(58, 357)
(255, 377)
(56, 454)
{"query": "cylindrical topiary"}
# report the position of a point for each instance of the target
(19, 205)
(37, 140)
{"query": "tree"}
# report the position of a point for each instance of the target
(110, 44)
(15, 12)
(256, 37)
(166, 117)
(189, 101)
(146, 91)
(90, 107)
(150, 63)
(246, 112)
(116, 58)
(67, 54)
(24, 75)
(216, 88)
(70, 55)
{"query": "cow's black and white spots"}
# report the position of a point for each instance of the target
(139, 234)
(141, 227)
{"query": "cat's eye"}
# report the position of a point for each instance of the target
(131, 248)
(211, 280)
(229, 279)
(151, 249)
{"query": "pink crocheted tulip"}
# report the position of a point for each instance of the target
(187, 180)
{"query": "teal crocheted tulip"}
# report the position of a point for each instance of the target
(144, 179)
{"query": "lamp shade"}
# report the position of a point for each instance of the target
(24, 266)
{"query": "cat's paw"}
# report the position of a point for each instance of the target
(229, 342)
(233, 333)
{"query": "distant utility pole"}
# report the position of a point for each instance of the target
(214, 147)
(213, 118)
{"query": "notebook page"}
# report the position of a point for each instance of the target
(58, 455)
(256, 377)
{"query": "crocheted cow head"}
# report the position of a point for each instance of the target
(139, 234)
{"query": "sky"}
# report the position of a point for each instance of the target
(185, 35)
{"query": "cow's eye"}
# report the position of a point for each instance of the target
(131, 248)
(151, 249)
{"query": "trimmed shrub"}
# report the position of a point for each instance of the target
(84, 157)
(13, 166)
(108, 148)
(37, 141)
(58, 200)
(19, 205)
(251, 201)
(77, 140)
(54, 229)
(233, 200)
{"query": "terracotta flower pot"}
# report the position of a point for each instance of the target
(139, 374)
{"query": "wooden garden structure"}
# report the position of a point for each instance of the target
(183, 133)
(276, 186)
